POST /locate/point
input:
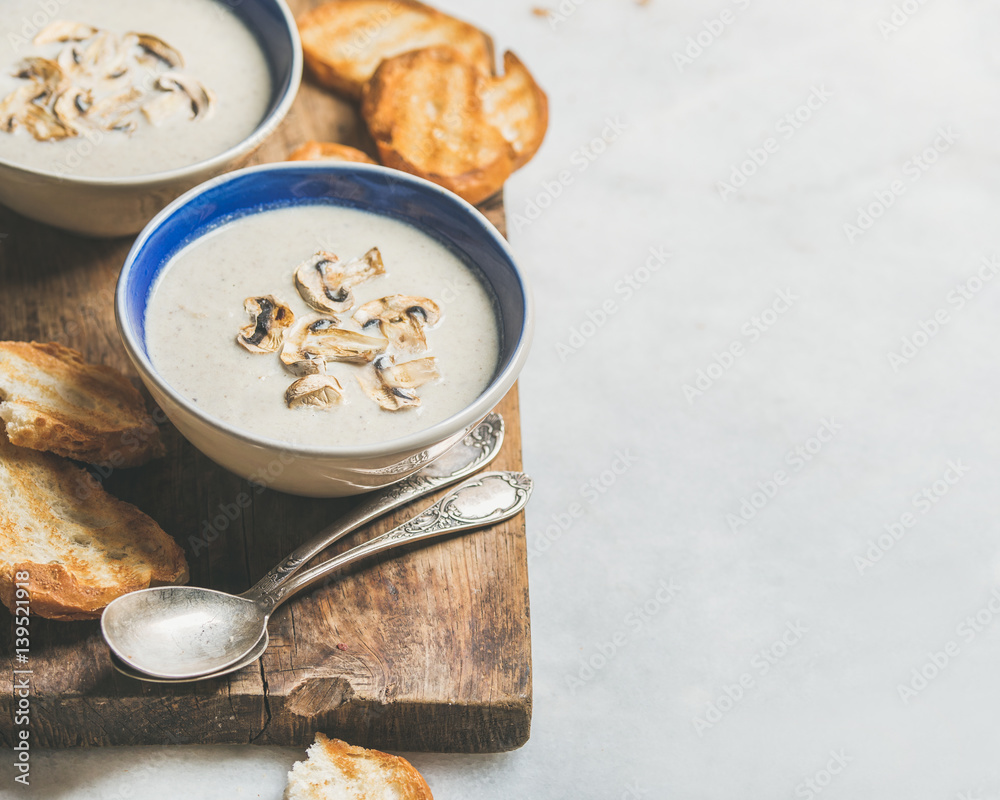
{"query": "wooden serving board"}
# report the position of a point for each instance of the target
(424, 650)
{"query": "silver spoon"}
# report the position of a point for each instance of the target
(251, 657)
(184, 632)
(477, 449)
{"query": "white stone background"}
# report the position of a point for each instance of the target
(629, 729)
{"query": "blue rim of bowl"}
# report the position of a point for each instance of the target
(494, 392)
(246, 146)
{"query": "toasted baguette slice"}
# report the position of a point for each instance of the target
(332, 151)
(336, 770)
(516, 106)
(345, 40)
(80, 547)
(51, 399)
(425, 111)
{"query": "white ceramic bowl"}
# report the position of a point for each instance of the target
(96, 206)
(310, 470)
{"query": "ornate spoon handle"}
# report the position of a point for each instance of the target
(481, 500)
(475, 451)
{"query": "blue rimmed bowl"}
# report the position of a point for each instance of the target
(301, 469)
(118, 206)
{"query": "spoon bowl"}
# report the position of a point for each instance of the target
(174, 632)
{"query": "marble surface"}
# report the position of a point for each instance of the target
(761, 514)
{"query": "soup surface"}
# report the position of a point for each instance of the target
(196, 310)
(118, 139)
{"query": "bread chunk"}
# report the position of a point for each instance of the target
(51, 399)
(435, 115)
(80, 547)
(345, 40)
(336, 770)
(517, 107)
(329, 151)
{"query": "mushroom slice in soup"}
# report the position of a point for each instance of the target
(402, 319)
(109, 113)
(45, 72)
(64, 30)
(103, 57)
(165, 106)
(201, 99)
(268, 319)
(316, 391)
(317, 339)
(15, 105)
(157, 48)
(71, 107)
(391, 385)
(325, 282)
(43, 125)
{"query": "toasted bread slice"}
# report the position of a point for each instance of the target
(80, 547)
(336, 770)
(424, 110)
(51, 399)
(329, 151)
(345, 40)
(516, 106)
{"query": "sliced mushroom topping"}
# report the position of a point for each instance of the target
(110, 112)
(42, 124)
(15, 105)
(45, 71)
(268, 319)
(64, 30)
(109, 80)
(156, 47)
(104, 55)
(402, 319)
(391, 385)
(407, 375)
(325, 282)
(201, 99)
(166, 106)
(69, 59)
(71, 106)
(317, 339)
(317, 391)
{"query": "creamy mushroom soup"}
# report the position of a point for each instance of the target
(117, 88)
(322, 325)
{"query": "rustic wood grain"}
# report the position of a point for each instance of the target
(434, 643)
